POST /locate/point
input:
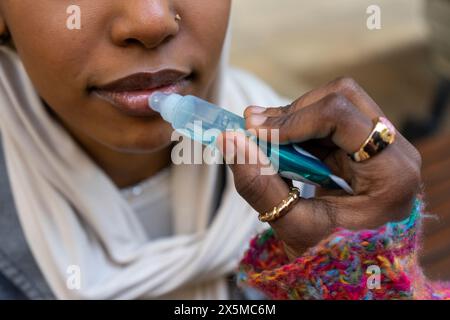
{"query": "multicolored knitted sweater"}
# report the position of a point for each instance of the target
(368, 264)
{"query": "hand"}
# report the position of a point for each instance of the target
(331, 122)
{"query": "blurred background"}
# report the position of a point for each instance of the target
(297, 45)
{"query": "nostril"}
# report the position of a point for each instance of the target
(131, 41)
(137, 42)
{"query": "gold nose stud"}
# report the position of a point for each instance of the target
(177, 17)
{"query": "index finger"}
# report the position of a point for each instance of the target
(344, 86)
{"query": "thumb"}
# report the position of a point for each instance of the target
(255, 179)
(304, 225)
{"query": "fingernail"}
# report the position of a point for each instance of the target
(257, 110)
(257, 120)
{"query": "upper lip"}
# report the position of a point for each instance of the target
(145, 81)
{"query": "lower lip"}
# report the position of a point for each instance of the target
(135, 103)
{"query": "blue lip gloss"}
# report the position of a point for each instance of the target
(185, 112)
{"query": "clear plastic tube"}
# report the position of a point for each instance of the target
(187, 113)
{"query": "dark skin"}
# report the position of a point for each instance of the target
(338, 118)
(119, 37)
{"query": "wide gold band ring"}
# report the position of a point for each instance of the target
(382, 135)
(281, 209)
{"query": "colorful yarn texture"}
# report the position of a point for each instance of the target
(348, 265)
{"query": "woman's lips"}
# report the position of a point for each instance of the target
(130, 94)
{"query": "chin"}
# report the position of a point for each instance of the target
(144, 147)
(144, 143)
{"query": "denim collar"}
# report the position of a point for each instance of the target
(17, 263)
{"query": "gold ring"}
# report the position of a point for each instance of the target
(382, 135)
(281, 209)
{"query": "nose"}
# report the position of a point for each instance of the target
(147, 23)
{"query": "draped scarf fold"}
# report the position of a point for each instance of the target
(73, 214)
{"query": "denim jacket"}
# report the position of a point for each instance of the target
(20, 277)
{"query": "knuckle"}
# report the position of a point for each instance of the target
(415, 155)
(303, 101)
(410, 165)
(282, 122)
(345, 84)
(336, 107)
(288, 109)
(402, 185)
(251, 188)
(282, 115)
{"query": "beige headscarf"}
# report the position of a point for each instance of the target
(72, 213)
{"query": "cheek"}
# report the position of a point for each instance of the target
(206, 24)
(56, 59)
(52, 54)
